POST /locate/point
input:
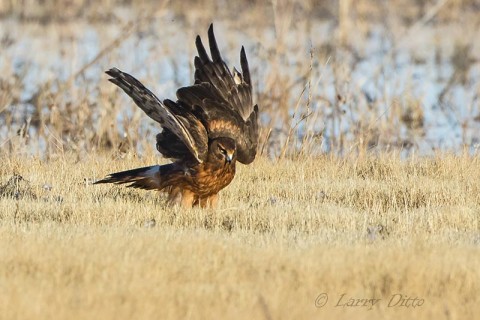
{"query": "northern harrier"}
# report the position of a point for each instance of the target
(212, 124)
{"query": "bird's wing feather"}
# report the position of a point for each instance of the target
(191, 133)
(224, 98)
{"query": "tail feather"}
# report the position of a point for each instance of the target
(148, 178)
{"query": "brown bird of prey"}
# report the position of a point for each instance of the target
(212, 124)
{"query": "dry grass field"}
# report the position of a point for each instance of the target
(363, 203)
(285, 233)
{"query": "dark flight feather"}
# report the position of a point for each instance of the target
(191, 133)
(223, 97)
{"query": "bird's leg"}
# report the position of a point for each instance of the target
(209, 202)
(175, 196)
(213, 200)
(188, 198)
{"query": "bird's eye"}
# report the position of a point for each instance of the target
(223, 151)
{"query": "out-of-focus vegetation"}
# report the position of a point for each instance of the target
(341, 77)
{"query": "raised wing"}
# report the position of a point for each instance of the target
(225, 99)
(177, 121)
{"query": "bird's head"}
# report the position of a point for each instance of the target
(224, 150)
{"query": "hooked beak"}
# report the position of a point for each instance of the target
(229, 158)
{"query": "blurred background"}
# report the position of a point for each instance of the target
(340, 77)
